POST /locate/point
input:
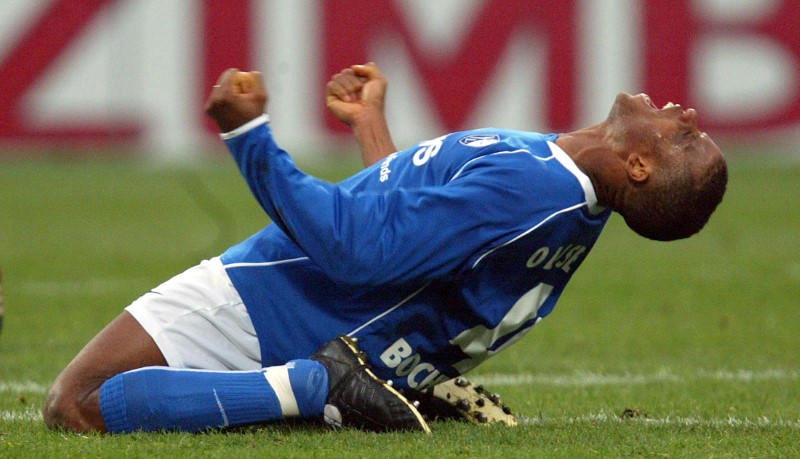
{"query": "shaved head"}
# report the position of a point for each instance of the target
(683, 190)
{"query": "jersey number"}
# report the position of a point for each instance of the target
(427, 150)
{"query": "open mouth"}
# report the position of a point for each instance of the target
(651, 104)
(649, 101)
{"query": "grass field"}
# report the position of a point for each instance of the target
(686, 349)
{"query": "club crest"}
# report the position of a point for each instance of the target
(478, 140)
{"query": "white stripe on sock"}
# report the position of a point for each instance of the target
(278, 378)
(225, 422)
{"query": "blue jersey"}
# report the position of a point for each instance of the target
(436, 258)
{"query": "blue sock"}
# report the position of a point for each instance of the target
(161, 398)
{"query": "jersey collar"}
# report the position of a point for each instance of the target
(586, 183)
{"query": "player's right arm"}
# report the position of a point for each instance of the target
(356, 97)
(236, 99)
(383, 235)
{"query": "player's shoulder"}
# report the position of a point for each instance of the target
(490, 140)
(505, 149)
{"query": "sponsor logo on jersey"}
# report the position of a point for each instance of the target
(479, 140)
(564, 257)
(385, 171)
(408, 364)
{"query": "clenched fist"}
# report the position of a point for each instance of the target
(237, 98)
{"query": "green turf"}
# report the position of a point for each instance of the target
(697, 339)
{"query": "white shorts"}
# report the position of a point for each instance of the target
(198, 321)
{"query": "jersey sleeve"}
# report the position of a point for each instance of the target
(381, 237)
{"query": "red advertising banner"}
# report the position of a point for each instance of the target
(682, 55)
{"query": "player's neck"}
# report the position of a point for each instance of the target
(592, 153)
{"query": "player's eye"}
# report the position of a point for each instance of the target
(684, 138)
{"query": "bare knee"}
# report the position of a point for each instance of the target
(69, 409)
(73, 403)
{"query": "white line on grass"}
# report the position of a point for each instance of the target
(83, 287)
(30, 414)
(22, 387)
(729, 422)
(664, 375)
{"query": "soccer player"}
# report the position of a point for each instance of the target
(399, 278)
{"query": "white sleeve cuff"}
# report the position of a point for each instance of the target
(255, 122)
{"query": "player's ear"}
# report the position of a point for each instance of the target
(638, 168)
